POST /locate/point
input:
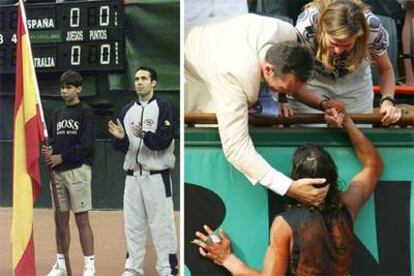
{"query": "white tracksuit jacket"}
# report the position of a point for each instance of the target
(156, 150)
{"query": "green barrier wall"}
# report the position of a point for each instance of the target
(384, 228)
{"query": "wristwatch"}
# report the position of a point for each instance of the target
(321, 104)
(282, 98)
(386, 97)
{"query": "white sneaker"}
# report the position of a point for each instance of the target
(57, 271)
(89, 271)
(129, 272)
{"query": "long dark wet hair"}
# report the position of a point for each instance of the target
(313, 161)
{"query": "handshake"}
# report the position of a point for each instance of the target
(334, 112)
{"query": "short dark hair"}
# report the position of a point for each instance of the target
(313, 161)
(290, 57)
(153, 73)
(71, 78)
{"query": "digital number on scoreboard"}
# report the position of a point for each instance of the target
(82, 36)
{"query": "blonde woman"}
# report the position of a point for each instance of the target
(345, 37)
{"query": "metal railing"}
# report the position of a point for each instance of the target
(210, 118)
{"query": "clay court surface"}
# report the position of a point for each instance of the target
(109, 243)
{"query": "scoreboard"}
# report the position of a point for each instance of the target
(81, 36)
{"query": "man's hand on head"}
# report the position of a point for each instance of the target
(304, 191)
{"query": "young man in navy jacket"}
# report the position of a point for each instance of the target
(72, 136)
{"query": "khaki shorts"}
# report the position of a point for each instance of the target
(74, 189)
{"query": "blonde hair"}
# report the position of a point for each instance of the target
(341, 19)
(322, 4)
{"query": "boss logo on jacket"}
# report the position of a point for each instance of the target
(67, 127)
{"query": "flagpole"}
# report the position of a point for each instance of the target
(58, 220)
(62, 232)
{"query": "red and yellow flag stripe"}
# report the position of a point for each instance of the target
(29, 131)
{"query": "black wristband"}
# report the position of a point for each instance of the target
(321, 104)
(407, 56)
(282, 98)
(387, 98)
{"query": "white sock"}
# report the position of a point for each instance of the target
(89, 261)
(61, 261)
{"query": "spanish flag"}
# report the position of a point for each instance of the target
(29, 131)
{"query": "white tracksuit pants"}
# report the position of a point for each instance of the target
(148, 202)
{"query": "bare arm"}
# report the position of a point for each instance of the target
(386, 73)
(306, 96)
(363, 183)
(236, 267)
(310, 98)
(220, 252)
(391, 114)
(277, 254)
(274, 263)
(406, 42)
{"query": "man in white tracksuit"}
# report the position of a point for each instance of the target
(226, 59)
(144, 132)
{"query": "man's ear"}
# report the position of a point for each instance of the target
(154, 83)
(79, 89)
(267, 69)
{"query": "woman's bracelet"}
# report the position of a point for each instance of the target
(387, 98)
(407, 56)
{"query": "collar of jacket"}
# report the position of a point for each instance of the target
(152, 99)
